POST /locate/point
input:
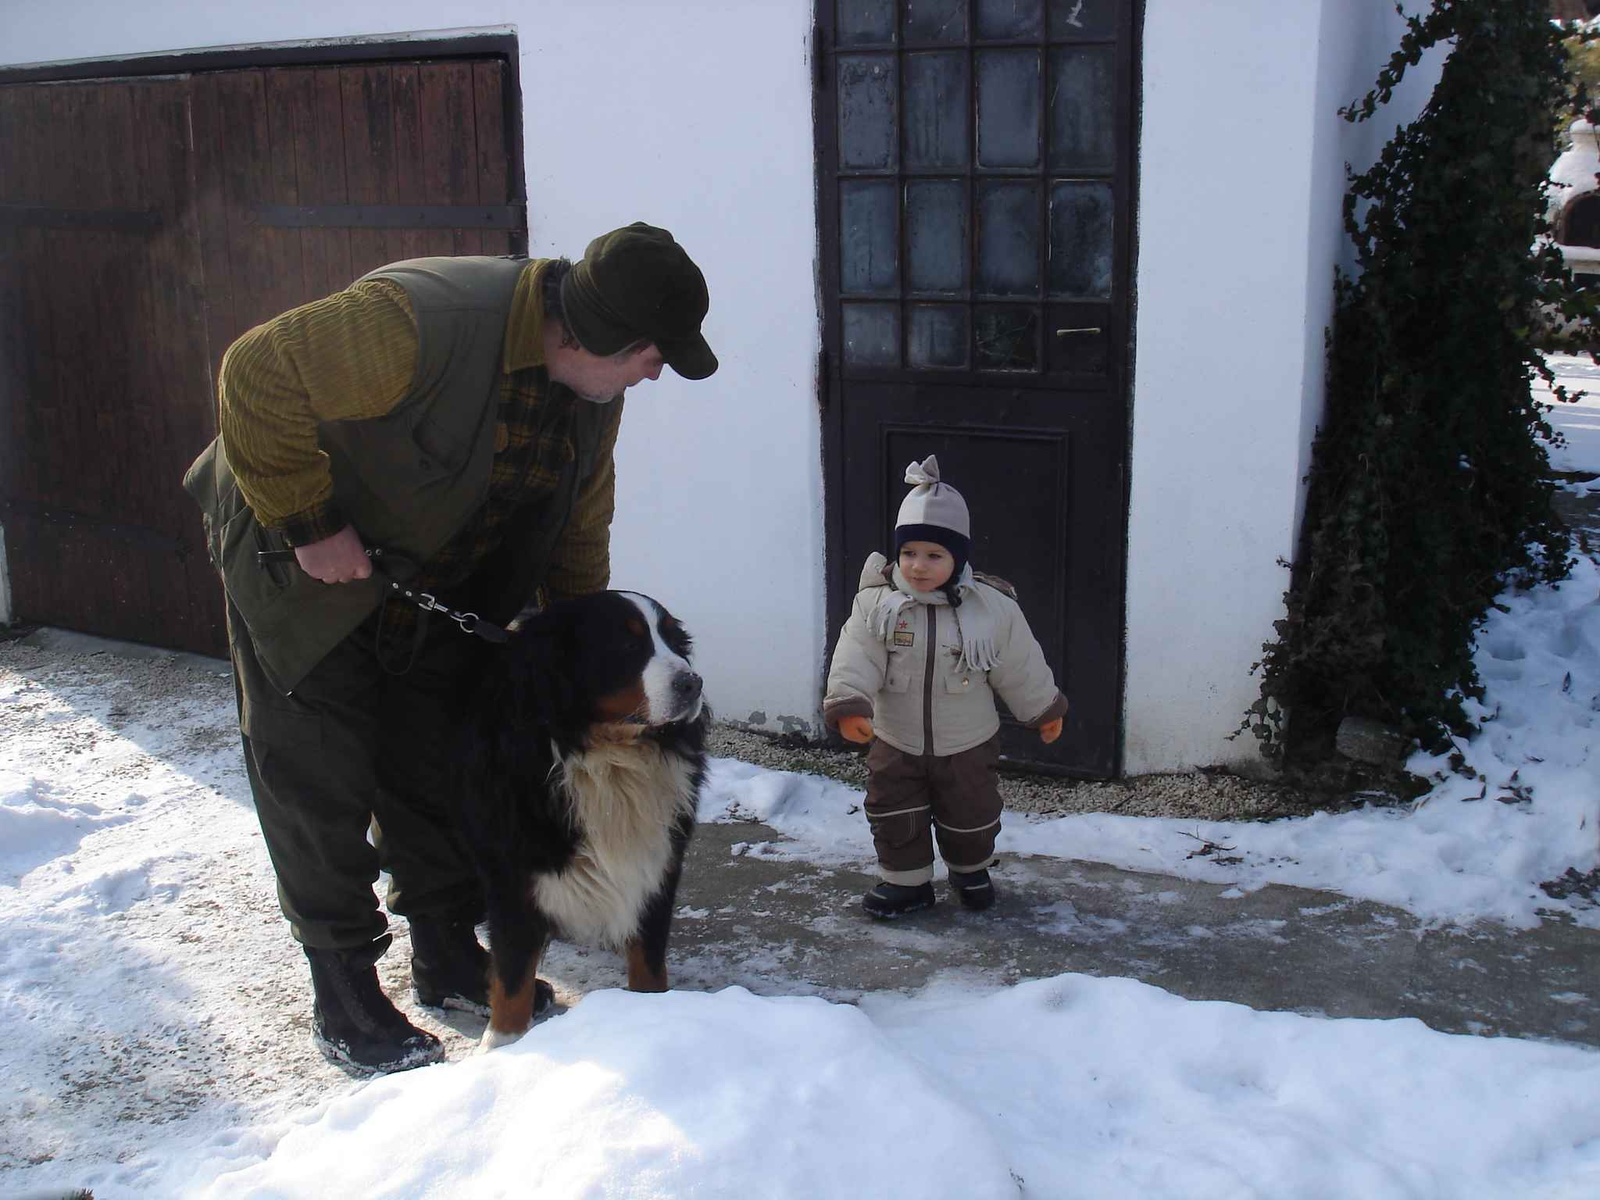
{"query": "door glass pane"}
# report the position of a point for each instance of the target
(1083, 18)
(865, 21)
(869, 254)
(867, 111)
(938, 336)
(936, 20)
(1008, 238)
(1080, 239)
(1010, 18)
(936, 235)
(936, 109)
(872, 335)
(1008, 108)
(1081, 116)
(1008, 338)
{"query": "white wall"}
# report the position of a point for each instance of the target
(1241, 183)
(695, 117)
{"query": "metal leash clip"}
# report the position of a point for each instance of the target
(469, 622)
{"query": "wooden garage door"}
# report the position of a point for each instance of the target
(147, 222)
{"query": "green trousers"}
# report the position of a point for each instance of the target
(364, 742)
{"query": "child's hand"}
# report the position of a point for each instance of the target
(1050, 731)
(859, 729)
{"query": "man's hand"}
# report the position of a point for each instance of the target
(856, 729)
(337, 559)
(1050, 731)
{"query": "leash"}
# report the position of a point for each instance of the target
(469, 622)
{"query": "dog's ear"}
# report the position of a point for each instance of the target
(542, 683)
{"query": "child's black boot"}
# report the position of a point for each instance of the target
(888, 900)
(974, 889)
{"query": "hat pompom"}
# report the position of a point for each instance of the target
(924, 472)
(932, 502)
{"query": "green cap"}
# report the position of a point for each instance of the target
(633, 283)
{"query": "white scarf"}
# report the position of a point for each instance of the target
(975, 619)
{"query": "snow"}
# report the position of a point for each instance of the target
(1579, 418)
(153, 1011)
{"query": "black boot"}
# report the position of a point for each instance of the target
(354, 1024)
(449, 969)
(889, 900)
(974, 889)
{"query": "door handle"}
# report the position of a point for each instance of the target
(1084, 329)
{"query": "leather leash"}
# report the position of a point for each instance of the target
(469, 622)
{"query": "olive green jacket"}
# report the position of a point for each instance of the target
(407, 481)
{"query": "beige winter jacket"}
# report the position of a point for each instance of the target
(919, 676)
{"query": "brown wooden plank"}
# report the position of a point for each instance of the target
(449, 144)
(325, 183)
(178, 343)
(205, 632)
(92, 288)
(30, 421)
(369, 157)
(58, 119)
(292, 95)
(410, 185)
(174, 390)
(15, 468)
(212, 215)
(177, 355)
(260, 290)
(35, 566)
(78, 574)
(493, 149)
(289, 286)
(120, 392)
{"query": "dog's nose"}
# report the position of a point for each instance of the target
(686, 686)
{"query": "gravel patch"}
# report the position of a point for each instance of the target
(1206, 795)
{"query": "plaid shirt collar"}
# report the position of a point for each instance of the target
(524, 344)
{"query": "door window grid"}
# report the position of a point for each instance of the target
(976, 178)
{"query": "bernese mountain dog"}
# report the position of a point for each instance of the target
(585, 760)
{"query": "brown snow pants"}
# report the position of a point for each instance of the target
(912, 798)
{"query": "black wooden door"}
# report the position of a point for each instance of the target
(147, 223)
(976, 195)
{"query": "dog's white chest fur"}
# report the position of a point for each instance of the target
(625, 795)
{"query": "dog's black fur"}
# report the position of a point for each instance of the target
(585, 760)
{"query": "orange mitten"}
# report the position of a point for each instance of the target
(1050, 731)
(858, 729)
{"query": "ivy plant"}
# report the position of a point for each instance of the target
(1429, 486)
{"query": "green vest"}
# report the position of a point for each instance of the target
(407, 481)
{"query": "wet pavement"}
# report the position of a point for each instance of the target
(750, 915)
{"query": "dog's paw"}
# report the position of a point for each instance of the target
(493, 1039)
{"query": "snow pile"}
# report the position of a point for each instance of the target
(1080, 1086)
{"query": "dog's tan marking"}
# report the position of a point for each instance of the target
(512, 1012)
(640, 977)
(619, 706)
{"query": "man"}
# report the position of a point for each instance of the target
(458, 415)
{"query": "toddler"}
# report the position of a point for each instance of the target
(926, 647)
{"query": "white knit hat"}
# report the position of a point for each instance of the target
(933, 511)
(932, 501)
